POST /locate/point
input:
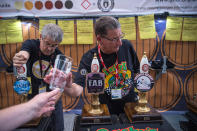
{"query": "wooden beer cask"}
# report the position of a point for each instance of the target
(181, 53)
(8, 96)
(190, 90)
(86, 97)
(69, 103)
(7, 52)
(167, 90)
(150, 46)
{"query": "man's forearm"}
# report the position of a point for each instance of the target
(12, 117)
(74, 90)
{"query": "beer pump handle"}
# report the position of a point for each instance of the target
(95, 64)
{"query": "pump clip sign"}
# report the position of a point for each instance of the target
(95, 82)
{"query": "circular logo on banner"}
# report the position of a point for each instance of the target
(38, 5)
(18, 5)
(22, 86)
(48, 5)
(105, 5)
(144, 82)
(145, 67)
(68, 4)
(58, 4)
(28, 5)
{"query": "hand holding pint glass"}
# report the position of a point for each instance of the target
(62, 67)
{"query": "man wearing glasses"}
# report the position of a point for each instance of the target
(39, 55)
(117, 59)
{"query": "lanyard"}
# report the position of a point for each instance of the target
(40, 63)
(102, 62)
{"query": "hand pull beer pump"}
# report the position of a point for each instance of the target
(95, 105)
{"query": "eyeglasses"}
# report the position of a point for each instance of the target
(52, 45)
(114, 40)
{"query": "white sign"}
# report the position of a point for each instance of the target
(72, 8)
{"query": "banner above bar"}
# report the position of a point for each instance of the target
(72, 8)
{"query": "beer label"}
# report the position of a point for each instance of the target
(144, 82)
(145, 67)
(20, 71)
(22, 86)
(95, 82)
(95, 68)
(95, 64)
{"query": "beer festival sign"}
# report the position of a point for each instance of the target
(78, 8)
